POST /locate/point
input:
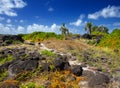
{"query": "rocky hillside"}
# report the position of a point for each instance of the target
(58, 64)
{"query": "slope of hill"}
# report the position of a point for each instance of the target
(56, 63)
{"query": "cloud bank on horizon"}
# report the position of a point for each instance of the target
(15, 21)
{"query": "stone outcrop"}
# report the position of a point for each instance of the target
(9, 39)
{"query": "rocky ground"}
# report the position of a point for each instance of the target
(52, 64)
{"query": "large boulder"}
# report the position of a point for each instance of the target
(61, 63)
(95, 79)
(22, 65)
(77, 70)
(87, 36)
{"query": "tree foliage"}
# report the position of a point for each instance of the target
(88, 27)
(64, 30)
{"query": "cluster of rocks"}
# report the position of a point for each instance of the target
(29, 60)
(9, 39)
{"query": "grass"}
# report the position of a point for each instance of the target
(48, 53)
(6, 59)
(3, 74)
(98, 57)
(29, 85)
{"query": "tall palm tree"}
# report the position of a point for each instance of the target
(64, 30)
(88, 27)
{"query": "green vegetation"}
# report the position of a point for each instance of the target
(48, 53)
(88, 27)
(102, 58)
(28, 85)
(6, 59)
(40, 36)
(96, 30)
(3, 74)
(26, 75)
(64, 30)
(111, 40)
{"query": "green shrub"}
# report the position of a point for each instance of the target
(112, 40)
(40, 36)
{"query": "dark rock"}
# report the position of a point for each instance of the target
(87, 36)
(34, 54)
(61, 63)
(77, 70)
(9, 39)
(22, 65)
(45, 67)
(96, 80)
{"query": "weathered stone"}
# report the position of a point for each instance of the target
(22, 65)
(96, 79)
(61, 63)
(77, 70)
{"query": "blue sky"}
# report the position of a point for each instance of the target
(27, 16)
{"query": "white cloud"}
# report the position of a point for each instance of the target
(7, 6)
(108, 12)
(20, 30)
(12, 29)
(50, 9)
(79, 21)
(39, 27)
(116, 24)
(7, 29)
(8, 21)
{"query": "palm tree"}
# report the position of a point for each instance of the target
(64, 30)
(88, 27)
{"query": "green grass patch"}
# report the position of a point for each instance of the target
(3, 74)
(29, 85)
(6, 59)
(48, 53)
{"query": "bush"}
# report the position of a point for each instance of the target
(111, 40)
(40, 36)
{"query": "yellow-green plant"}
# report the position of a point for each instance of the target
(6, 59)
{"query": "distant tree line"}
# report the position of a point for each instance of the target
(90, 28)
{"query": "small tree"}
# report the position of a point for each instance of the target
(88, 27)
(103, 29)
(64, 30)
